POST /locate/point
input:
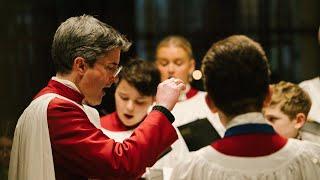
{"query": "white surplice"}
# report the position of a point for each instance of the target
(312, 87)
(186, 112)
(31, 154)
(296, 160)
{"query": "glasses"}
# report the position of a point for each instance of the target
(114, 69)
(115, 74)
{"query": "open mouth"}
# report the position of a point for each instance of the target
(128, 116)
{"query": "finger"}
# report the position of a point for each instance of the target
(181, 86)
(177, 81)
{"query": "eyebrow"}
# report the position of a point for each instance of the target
(116, 64)
(138, 98)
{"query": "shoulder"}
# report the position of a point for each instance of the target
(108, 117)
(310, 82)
(309, 147)
(108, 121)
(194, 166)
(63, 108)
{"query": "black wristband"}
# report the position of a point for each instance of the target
(165, 111)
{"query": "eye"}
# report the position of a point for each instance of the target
(178, 62)
(163, 62)
(111, 68)
(124, 98)
(271, 119)
(140, 102)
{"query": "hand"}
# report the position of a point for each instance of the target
(168, 92)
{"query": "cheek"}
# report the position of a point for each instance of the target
(183, 73)
(282, 125)
(163, 70)
(141, 111)
(120, 105)
(94, 77)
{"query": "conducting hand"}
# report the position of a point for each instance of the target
(168, 92)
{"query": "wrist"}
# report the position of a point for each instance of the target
(165, 111)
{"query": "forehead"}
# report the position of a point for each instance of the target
(273, 109)
(128, 89)
(172, 52)
(111, 57)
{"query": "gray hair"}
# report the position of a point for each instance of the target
(87, 37)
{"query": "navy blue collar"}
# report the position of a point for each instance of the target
(249, 129)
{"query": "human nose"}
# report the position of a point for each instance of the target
(171, 68)
(110, 80)
(130, 106)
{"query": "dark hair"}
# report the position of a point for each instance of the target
(84, 36)
(236, 75)
(142, 75)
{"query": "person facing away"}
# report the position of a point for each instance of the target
(56, 137)
(174, 58)
(236, 76)
(135, 94)
(288, 111)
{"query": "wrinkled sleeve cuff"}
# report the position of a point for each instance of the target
(165, 111)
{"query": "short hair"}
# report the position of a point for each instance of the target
(142, 75)
(291, 98)
(84, 36)
(177, 41)
(236, 75)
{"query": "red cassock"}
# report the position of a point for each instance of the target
(81, 151)
(113, 123)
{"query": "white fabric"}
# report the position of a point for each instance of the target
(66, 83)
(307, 136)
(247, 118)
(312, 87)
(297, 160)
(186, 112)
(183, 94)
(31, 155)
(118, 136)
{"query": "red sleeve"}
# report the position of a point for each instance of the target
(82, 149)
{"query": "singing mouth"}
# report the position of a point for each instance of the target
(128, 116)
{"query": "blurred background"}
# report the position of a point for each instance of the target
(287, 29)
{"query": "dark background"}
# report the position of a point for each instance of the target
(287, 29)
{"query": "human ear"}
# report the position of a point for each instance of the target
(300, 120)
(211, 104)
(80, 65)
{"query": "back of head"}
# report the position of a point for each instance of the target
(291, 98)
(142, 75)
(236, 75)
(177, 41)
(86, 37)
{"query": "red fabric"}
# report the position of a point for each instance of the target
(81, 151)
(250, 145)
(58, 88)
(112, 122)
(192, 92)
